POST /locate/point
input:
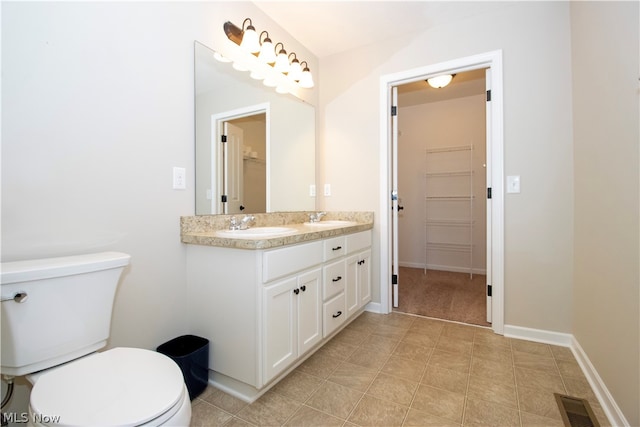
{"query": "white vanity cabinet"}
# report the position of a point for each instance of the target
(265, 310)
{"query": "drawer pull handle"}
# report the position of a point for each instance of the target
(296, 291)
(361, 262)
(337, 279)
(337, 248)
(303, 288)
(338, 314)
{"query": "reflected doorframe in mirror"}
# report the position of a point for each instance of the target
(222, 197)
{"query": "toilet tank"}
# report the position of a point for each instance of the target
(57, 309)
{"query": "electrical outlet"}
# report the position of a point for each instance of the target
(327, 189)
(312, 190)
(179, 178)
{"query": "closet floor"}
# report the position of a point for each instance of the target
(443, 295)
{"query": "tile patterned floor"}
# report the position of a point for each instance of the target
(402, 370)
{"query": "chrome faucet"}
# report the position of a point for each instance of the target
(243, 224)
(316, 216)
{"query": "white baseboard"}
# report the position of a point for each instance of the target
(608, 404)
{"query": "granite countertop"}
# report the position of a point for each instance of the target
(202, 230)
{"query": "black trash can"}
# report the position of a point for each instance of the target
(191, 353)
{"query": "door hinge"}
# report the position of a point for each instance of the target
(489, 95)
(489, 193)
(394, 279)
(223, 138)
(489, 291)
(223, 199)
(394, 111)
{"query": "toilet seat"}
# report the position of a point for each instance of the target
(118, 387)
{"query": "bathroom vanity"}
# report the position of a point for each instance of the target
(267, 303)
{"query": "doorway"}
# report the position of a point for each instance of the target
(389, 266)
(441, 167)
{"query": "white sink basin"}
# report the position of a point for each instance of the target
(256, 232)
(331, 223)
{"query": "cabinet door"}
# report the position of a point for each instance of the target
(280, 311)
(364, 278)
(351, 285)
(309, 306)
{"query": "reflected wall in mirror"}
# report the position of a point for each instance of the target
(271, 165)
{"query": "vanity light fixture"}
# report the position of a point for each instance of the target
(250, 42)
(266, 62)
(306, 79)
(440, 81)
(267, 53)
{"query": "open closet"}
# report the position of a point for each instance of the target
(442, 182)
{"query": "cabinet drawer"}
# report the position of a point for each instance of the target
(334, 248)
(334, 278)
(334, 314)
(281, 262)
(358, 241)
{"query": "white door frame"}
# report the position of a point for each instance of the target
(491, 60)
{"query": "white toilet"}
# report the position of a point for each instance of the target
(56, 315)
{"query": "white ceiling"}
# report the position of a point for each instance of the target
(330, 27)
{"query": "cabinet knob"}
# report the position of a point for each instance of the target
(337, 279)
(338, 314)
(296, 291)
(303, 288)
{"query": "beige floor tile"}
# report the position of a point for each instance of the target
(337, 350)
(420, 339)
(579, 387)
(481, 413)
(367, 358)
(416, 418)
(375, 412)
(394, 389)
(491, 391)
(459, 332)
(412, 351)
(446, 379)
(205, 414)
(569, 368)
(486, 336)
(319, 365)
(269, 410)
(448, 360)
(222, 400)
(428, 327)
(334, 399)
(237, 422)
(532, 347)
(539, 402)
(398, 320)
(411, 370)
(306, 416)
(378, 343)
(496, 371)
(442, 403)
(533, 420)
(454, 345)
(539, 379)
(534, 361)
(497, 354)
(351, 336)
(390, 331)
(561, 353)
(298, 386)
(353, 376)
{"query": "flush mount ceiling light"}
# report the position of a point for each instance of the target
(440, 81)
(264, 61)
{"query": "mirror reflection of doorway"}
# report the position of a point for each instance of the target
(245, 165)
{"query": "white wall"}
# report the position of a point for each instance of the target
(97, 107)
(606, 290)
(537, 138)
(455, 122)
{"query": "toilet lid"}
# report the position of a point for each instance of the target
(118, 387)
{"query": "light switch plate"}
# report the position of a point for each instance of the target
(327, 189)
(312, 190)
(513, 184)
(179, 178)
